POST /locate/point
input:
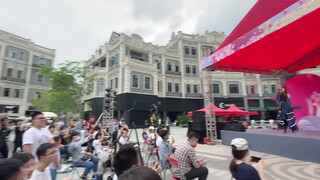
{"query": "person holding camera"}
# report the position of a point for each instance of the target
(82, 158)
(240, 166)
(285, 115)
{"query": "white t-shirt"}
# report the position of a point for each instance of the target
(159, 140)
(36, 137)
(123, 140)
(97, 146)
(38, 175)
(151, 136)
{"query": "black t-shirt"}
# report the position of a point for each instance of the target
(18, 135)
(245, 172)
(4, 132)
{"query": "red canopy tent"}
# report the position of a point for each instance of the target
(275, 37)
(235, 111)
(209, 109)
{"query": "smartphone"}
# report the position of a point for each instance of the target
(255, 159)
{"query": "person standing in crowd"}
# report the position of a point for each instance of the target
(80, 124)
(36, 135)
(124, 138)
(19, 132)
(84, 132)
(28, 164)
(4, 132)
(46, 153)
(11, 138)
(159, 138)
(52, 129)
(167, 124)
(165, 148)
(10, 169)
(80, 157)
(151, 135)
(55, 165)
(189, 166)
(91, 122)
(239, 168)
(286, 115)
(124, 124)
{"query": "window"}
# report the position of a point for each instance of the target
(215, 88)
(188, 88)
(116, 83)
(159, 86)
(135, 81)
(169, 87)
(136, 55)
(6, 92)
(101, 86)
(158, 64)
(37, 95)
(169, 66)
(12, 54)
(234, 88)
(188, 69)
(273, 88)
(9, 72)
(114, 60)
(111, 83)
(147, 82)
(40, 78)
(186, 50)
(176, 65)
(22, 56)
(193, 51)
(19, 74)
(194, 69)
(265, 89)
(42, 61)
(103, 63)
(177, 87)
(16, 93)
(195, 89)
(253, 89)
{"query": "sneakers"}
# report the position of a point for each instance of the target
(83, 176)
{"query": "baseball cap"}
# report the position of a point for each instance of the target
(151, 127)
(240, 144)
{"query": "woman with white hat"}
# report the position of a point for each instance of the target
(240, 167)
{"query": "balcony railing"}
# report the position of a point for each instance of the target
(13, 79)
(174, 94)
(194, 95)
(173, 73)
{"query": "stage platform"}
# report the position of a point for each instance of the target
(304, 145)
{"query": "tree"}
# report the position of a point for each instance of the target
(68, 85)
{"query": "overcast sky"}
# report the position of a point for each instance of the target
(76, 28)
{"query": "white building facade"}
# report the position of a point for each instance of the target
(20, 80)
(169, 77)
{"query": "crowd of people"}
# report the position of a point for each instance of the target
(36, 151)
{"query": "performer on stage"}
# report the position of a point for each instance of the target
(285, 115)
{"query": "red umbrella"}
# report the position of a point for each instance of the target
(275, 37)
(235, 111)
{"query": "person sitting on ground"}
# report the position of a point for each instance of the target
(140, 173)
(165, 148)
(46, 153)
(189, 167)
(80, 157)
(124, 138)
(159, 138)
(28, 164)
(126, 158)
(10, 169)
(151, 135)
(239, 168)
(103, 152)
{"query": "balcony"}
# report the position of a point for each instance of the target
(98, 70)
(194, 95)
(13, 79)
(173, 73)
(14, 60)
(175, 94)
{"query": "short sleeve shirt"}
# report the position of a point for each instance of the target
(36, 137)
(245, 172)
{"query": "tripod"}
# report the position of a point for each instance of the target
(138, 143)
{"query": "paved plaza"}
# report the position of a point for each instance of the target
(218, 157)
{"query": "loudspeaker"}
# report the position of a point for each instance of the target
(234, 127)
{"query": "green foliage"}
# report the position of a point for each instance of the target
(68, 86)
(184, 119)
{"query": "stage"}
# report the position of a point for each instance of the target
(304, 145)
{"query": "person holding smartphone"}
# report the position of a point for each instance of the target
(240, 167)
